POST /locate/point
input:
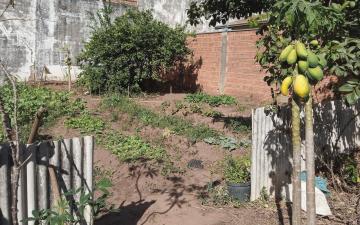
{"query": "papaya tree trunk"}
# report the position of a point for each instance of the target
(296, 182)
(310, 164)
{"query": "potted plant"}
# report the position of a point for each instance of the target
(237, 176)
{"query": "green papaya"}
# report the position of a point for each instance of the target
(303, 66)
(312, 59)
(285, 53)
(352, 4)
(316, 73)
(301, 50)
(292, 57)
(314, 43)
(322, 61)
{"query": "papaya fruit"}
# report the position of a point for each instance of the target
(284, 88)
(352, 4)
(314, 43)
(284, 54)
(322, 61)
(301, 50)
(301, 86)
(312, 59)
(303, 66)
(292, 57)
(316, 73)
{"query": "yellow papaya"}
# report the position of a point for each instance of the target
(316, 73)
(312, 59)
(314, 43)
(303, 66)
(284, 88)
(284, 54)
(301, 86)
(292, 57)
(301, 50)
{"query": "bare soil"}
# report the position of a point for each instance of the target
(143, 196)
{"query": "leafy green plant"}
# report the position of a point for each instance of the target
(237, 169)
(132, 148)
(212, 113)
(147, 117)
(121, 54)
(201, 97)
(61, 214)
(86, 123)
(238, 125)
(30, 99)
(228, 143)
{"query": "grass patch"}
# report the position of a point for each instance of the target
(86, 123)
(217, 100)
(147, 117)
(132, 148)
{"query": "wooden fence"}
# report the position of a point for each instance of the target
(72, 161)
(336, 130)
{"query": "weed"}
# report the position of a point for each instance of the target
(201, 97)
(30, 99)
(114, 116)
(237, 170)
(147, 117)
(228, 143)
(168, 168)
(165, 105)
(212, 113)
(132, 148)
(86, 123)
(239, 125)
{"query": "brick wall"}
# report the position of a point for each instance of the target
(241, 77)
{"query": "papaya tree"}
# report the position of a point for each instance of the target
(307, 70)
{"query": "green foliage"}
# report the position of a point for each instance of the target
(60, 215)
(133, 48)
(334, 24)
(238, 125)
(222, 11)
(147, 117)
(30, 99)
(212, 113)
(86, 123)
(344, 60)
(132, 148)
(218, 100)
(237, 169)
(351, 171)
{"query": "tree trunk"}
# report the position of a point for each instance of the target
(296, 170)
(310, 164)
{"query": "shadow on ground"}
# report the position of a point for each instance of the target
(131, 214)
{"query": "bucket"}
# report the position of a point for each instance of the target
(240, 192)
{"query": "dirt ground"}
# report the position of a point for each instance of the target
(143, 196)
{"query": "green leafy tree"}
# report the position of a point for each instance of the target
(134, 47)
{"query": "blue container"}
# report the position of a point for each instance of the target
(241, 192)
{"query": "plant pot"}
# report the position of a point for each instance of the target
(240, 192)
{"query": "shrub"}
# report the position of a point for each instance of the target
(135, 47)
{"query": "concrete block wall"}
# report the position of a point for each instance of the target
(228, 65)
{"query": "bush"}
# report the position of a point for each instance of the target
(135, 47)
